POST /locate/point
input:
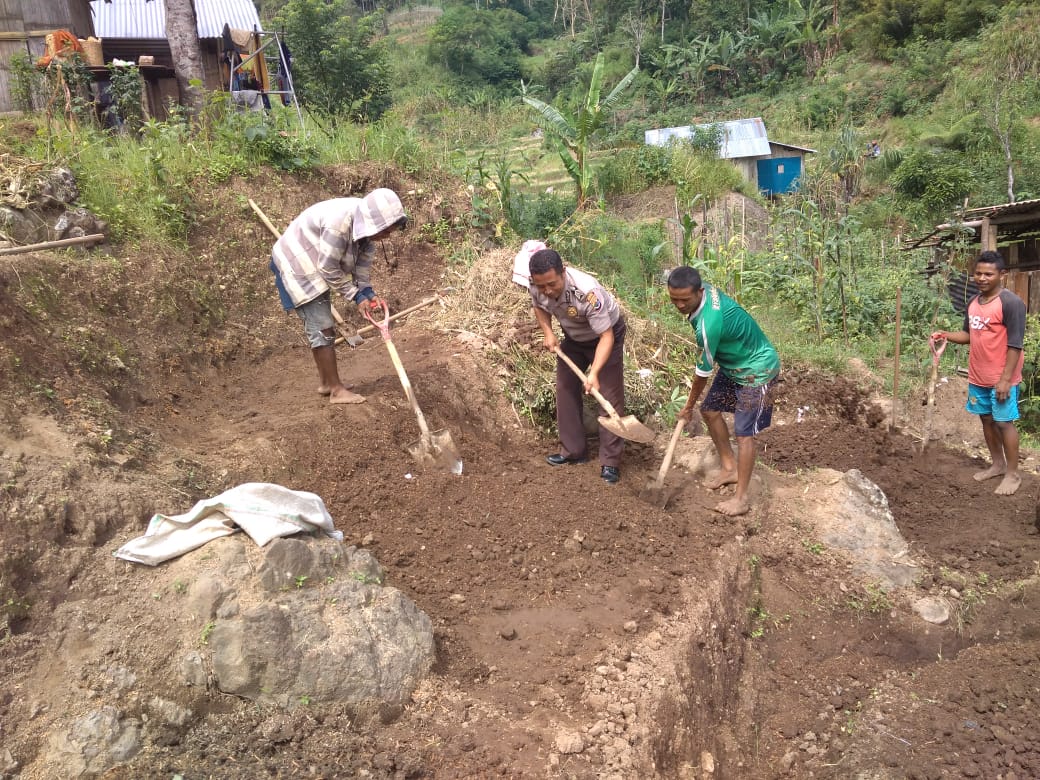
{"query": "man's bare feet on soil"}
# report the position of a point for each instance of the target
(346, 397)
(1009, 484)
(734, 507)
(326, 390)
(713, 480)
(990, 473)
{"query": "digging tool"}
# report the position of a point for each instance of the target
(627, 427)
(937, 345)
(434, 448)
(655, 492)
(356, 336)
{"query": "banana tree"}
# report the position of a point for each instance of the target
(573, 134)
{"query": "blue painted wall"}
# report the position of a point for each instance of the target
(779, 175)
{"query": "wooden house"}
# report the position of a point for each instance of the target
(775, 168)
(129, 29)
(24, 25)
(1009, 228)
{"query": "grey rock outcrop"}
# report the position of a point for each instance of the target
(93, 743)
(328, 629)
(855, 517)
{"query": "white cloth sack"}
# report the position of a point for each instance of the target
(522, 262)
(263, 510)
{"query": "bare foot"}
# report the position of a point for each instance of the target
(1009, 484)
(716, 479)
(734, 507)
(346, 397)
(990, 473)
(326, 390)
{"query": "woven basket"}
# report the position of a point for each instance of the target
(92, 51)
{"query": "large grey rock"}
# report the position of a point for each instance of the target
(327, 630)
(57, 188)
(933, 609)
(22, 227)
(77, 222)
(93, 743)
(852, 514)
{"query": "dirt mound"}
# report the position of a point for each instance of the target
(579, 631)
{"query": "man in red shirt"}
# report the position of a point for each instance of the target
(994, 328)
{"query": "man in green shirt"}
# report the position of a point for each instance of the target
(748, 365)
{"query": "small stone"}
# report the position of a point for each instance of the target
(508, 634)
(788, 761)
(458, 598)
(932, 609)
(707, 762)
(569, 742)
(631, 626)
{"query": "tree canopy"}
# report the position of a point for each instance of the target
(339, 68)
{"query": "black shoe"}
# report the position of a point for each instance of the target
(561, 460)
(610, 474)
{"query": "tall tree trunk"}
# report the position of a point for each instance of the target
(182, 33)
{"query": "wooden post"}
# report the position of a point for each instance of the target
(988, 235)
(895, 371)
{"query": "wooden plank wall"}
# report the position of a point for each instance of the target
(50, 15)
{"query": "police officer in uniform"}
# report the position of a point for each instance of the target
(594, 337)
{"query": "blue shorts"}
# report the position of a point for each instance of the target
(752, 407)
(983, 400)
(317, 316)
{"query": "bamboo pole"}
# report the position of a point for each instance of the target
(94, 238)
(895, 371)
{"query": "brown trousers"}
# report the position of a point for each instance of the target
(569, 392)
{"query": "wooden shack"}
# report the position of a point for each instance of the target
(24, 25)
(775, 168)
(1009, 228)
(129, 29)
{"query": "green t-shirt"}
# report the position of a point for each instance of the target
(732, 341)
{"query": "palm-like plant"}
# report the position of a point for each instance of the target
(573, 135)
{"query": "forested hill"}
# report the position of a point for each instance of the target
(951, 85)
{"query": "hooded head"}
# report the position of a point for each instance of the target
(379, 210)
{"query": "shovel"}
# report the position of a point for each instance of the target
(937, 346)
(355, 339)
(434, 448)
(627, 427)
(654, 491)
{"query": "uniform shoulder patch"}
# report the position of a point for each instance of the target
(593, 301)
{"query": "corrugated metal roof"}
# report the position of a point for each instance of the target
(1002, 210)
(1003, 215)
(805, 149)
(740, 137)
(147, 18)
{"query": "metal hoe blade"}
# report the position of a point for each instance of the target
(628, 427)
(655, 492)
(439, 451)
